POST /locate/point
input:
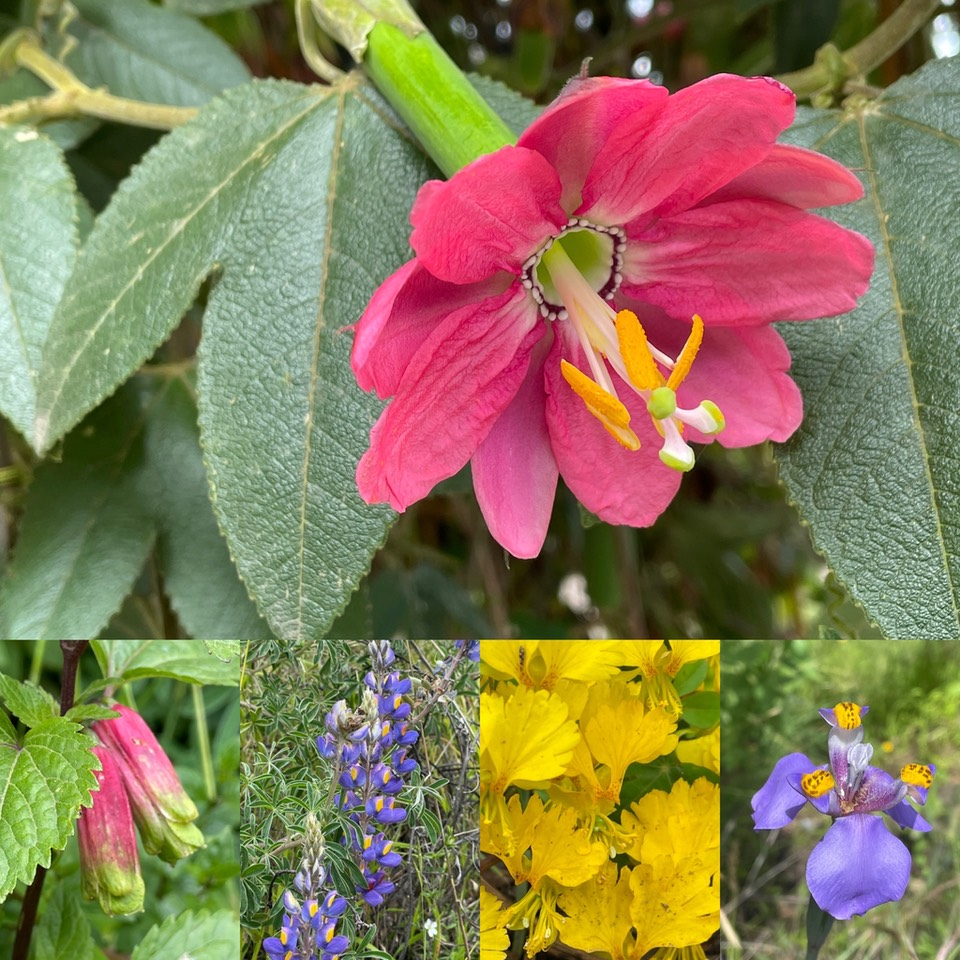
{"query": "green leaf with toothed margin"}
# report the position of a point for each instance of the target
(192, 936)
(43, 782)
(875, 467)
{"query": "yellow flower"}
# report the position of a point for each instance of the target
(598, 914)
(559, 847)
(526, 737)
(658, 664)
(494, 941)
(620, 732)
(507, 659)
(676, 903)
(680, 953)
(703, 752)
(684, 822)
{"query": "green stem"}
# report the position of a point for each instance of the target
(71, 97)
(36, 664)
(429, 91)
(434, 98)
(831, 69)
(72, 650)
(203, 738)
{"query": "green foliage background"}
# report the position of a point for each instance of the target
(205, 882)
(771, 694)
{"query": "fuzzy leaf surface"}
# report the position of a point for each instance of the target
(874, 468)
(38, 242)
(145, 52)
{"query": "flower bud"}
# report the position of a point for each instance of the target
(109, 866)
(161, 808)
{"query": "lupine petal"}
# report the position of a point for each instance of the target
(464, 231)
(857, 865)
(776, 803)
(587, 112)
(738, 263)
(514, 469)
(463, 377)
(658, 163)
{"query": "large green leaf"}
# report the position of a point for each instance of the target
(43, 783)
(283, 421)
(874, 469)
(188, 660)
(86, 531)
(192, 936)
(198, 575)
(132, 474)
(145, 52)
(63, 932)
(38, 241)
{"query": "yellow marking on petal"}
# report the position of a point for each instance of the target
(641, 367)
(917, 774)
(687, 355)
(848, 715)
(604, 406)
(818, 783)
(283, 937)
(313, 909)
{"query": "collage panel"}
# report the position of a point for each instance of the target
(840, 823)
(360, 800)
(599, 799)
(119, 799)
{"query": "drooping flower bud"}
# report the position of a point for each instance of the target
(161, 807)
(109, 866)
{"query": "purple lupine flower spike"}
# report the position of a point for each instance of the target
(858, 864)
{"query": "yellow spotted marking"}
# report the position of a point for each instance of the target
(917, 775)
(818, 783)
(848, 715)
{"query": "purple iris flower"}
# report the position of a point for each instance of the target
(858, 864)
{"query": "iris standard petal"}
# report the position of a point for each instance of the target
(464, 231)
(658, 163)
(857, 865)
(463, 377)
(739, 263)
(878, 791)
(776, 803)
(514, 469)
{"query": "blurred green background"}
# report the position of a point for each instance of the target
(771, 693)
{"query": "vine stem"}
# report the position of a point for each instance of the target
(72, 651)
(71, 97)
(831, 69)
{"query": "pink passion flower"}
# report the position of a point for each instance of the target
(549, 323)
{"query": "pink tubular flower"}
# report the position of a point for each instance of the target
(550, 320)
(109, 866)
(161, 807)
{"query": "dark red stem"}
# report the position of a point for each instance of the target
(72, 650)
